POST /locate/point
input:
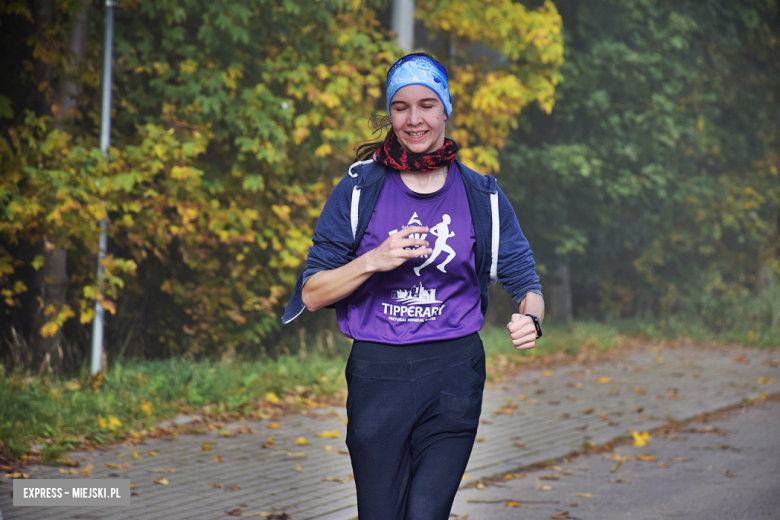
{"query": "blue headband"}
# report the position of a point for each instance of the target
(419, 70)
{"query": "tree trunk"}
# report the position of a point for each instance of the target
(560, 295)
(52, 279)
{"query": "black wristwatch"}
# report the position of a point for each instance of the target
(537, 325)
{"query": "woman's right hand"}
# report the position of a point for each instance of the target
(393, 252)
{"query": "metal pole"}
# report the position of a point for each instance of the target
(403, 23)
(105, 139)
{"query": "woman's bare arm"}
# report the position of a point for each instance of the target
(328, 287)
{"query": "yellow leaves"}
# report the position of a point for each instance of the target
(87, 470)
(764, 380)
(334, 434)
(146, 407)
(217, 459)
(153, 454)
(273, 399)
(273, 425)
(118, 466)
(17, 474)
(162, 481)
(136, 455)
(647, 457)
(164, 470)
(301, 441)
(465, 476)
(512, 503)
(559, 516)
(112, 424)
(640, 438)
(639, 390)
(604, 380)
(298, 468)
(544, 488)
(69, 471)
(548, 373)
(323, 150)
(206, 446)
(587, 495)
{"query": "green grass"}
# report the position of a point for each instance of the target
(61, 413)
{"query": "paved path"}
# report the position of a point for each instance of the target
(726, 469)
(542, 414)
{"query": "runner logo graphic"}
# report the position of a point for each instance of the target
(442, 232)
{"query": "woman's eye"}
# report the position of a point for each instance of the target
(427, 106)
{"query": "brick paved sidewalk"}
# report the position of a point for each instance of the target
(538, 415)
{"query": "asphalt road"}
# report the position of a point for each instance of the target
(726, 468)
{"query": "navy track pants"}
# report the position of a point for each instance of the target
(413, 413)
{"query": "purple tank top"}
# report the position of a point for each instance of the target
(427, 298)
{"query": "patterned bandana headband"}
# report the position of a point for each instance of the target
(416, 69)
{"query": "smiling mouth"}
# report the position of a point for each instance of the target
(416, 134)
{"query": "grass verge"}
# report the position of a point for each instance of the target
(41, 417)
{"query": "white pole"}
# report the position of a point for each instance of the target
(105, 139)
(403, 23)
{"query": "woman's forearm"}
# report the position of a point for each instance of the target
(328, 287)
(532, 304)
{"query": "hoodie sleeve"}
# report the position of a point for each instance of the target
(516, 266)
(332, 243)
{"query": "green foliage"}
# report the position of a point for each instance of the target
(656, 177)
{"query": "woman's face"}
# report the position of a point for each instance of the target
(418, 119)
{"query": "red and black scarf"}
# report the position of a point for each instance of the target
(394, 155)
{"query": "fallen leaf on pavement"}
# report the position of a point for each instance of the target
(213, 484)
(343, 480)
(480, 486)
(217, 459)
(301, 441)
(565, 514)
(87, 469)
(574, 504)
(268, 444)
(69, 471)
(640, 438)
(153, 453)
(588, 411)
(334, 434)
(17, 474)
(544, 488)
(619, 480)
(729, 474)
(136, 455)
(298, 468)
(161, 481)
(234, 512)
(206, 446)
(164, 470)
(549, 477)
(604, 380)
(604, 417)
(522, 397)
(508, 476)
(647, 457)
(118, 466)
(742, 359)
(519, 444)
(343, 452)
(548, 373)
(586, 495)
(295, 454)
(465, 476)
(639, 390)
(512, 503)
(664, 465)
(273, 425)
(479, 439)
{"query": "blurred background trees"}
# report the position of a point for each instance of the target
(653, 186)
(643, 167)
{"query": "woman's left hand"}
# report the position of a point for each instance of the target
(522, 331)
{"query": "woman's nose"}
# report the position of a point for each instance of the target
(414, 116)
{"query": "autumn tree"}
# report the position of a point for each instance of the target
(231, 123)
